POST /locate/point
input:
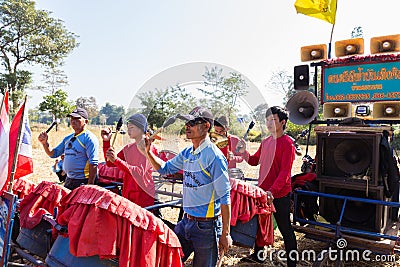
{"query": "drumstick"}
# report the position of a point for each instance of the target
(57, 121)
(119, 125)
(167, 123)
(155, 133)
(251, 125)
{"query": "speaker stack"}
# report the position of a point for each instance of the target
(348, 165)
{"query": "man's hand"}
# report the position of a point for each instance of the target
(43, 138)
(144, 145)
(241, 146)
(270, 198)
(231, 156)
(106, 134)
(111, 155)
(225, 242)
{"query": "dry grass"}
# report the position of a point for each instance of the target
(42, 171)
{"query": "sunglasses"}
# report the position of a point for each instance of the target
(71, 141)
(193, 123)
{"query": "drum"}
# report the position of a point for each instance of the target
(59, 256)
(37, 240)
(236, 173)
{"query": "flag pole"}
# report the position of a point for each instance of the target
(330, 42)
(2, 102)
(17, 145)
(333, 27)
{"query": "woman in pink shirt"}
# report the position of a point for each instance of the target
(138, 181)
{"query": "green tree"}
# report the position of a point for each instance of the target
(112, 113)
(54, 79)
(57, 104)
(88, 103)
(260, 111)
(224, 91)
(282, 82)
(158, 104)
(27, 37)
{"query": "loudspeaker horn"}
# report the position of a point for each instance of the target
(385, 44)
(386, 110)
(337, 110)
(349, 47)
(313, 52)
(301, 77)
(302, 107)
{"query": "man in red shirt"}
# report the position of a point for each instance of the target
(275, 157)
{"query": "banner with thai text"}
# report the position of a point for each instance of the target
(363, 82)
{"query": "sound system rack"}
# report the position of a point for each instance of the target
(359, 95)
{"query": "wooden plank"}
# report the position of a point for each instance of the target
(384, 246)
(352, 129)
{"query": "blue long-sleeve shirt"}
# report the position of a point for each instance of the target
(205, 179)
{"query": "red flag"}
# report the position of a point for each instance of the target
(4, 140)
(24, 164)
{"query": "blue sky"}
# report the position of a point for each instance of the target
(124, 43)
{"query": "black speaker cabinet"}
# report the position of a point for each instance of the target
(357, 215)
(348, 157)
(301, 77)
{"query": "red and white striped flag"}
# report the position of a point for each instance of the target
(24, 164)
(4, 140)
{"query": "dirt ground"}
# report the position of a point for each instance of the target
(42, 171)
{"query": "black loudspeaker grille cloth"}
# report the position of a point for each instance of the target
(301, 77)
(357, 215)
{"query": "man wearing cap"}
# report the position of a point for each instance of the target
(80, 149)
(205, 226)
(221, 127)
(138, 180)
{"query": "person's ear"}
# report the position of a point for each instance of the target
(207, 125)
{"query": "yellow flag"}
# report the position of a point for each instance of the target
(320, 9)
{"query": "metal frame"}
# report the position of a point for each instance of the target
(347, 232)
(11, 201)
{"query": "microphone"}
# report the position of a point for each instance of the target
(57, 121)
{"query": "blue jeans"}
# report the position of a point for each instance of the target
(200, 237)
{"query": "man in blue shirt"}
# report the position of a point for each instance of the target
(59, 170)
(80, 149)
(206, 191)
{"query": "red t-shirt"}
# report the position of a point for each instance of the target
(138, 181)
(275, 157)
